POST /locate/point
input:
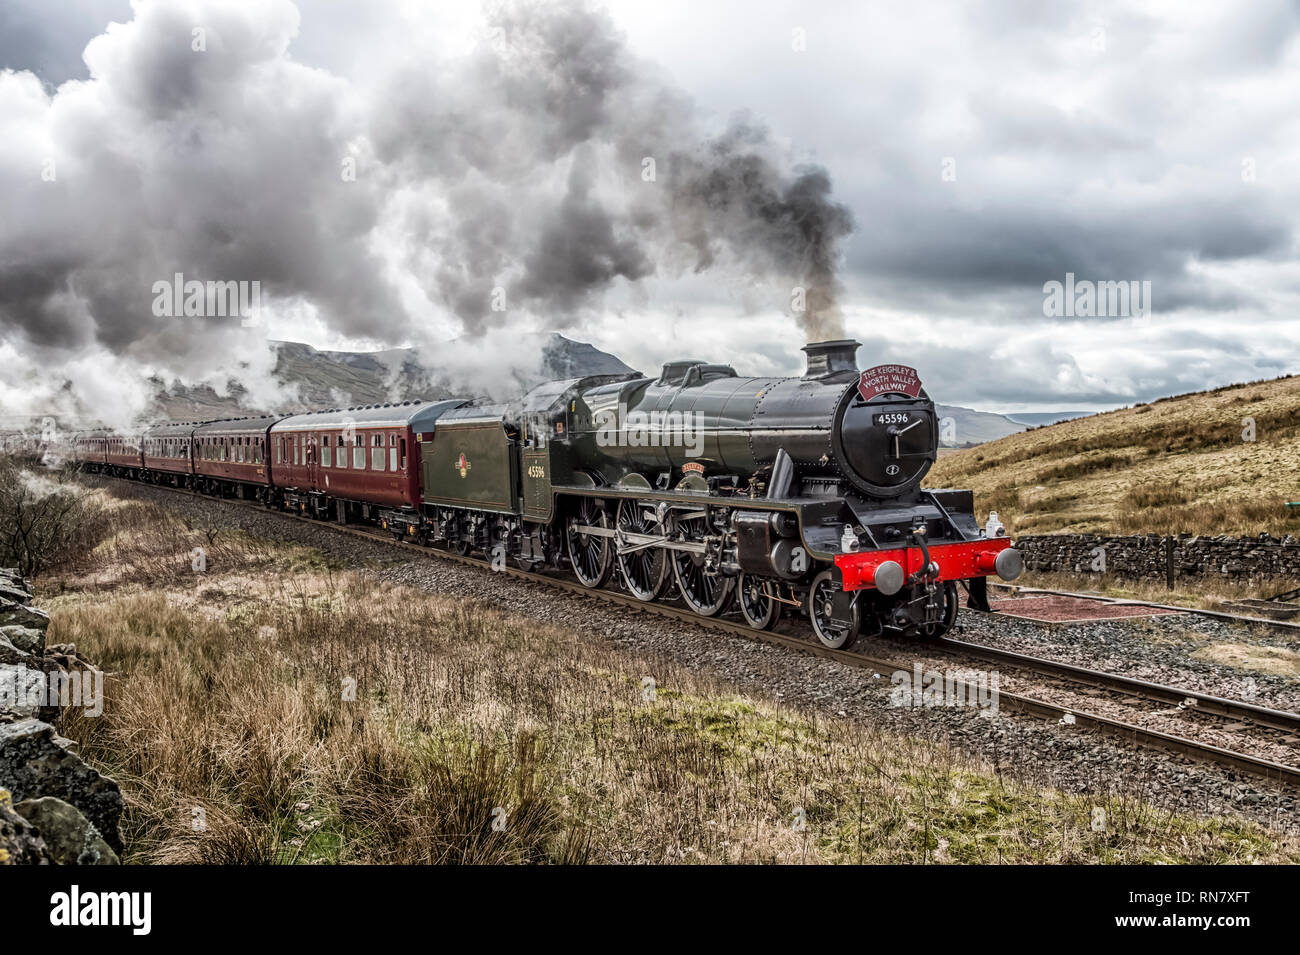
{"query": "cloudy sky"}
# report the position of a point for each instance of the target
(398, 173)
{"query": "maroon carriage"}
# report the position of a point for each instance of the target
(90, 449)
(231, 457)
(122, 454)
(165, 450)
(352, 461)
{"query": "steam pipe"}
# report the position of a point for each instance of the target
(782, 476)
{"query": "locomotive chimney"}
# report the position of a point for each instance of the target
(827, 359)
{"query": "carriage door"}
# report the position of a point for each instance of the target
(312, 460)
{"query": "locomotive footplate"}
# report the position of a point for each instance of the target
(959, 561)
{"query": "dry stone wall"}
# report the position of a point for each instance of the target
(1153, 557)
(53, 807)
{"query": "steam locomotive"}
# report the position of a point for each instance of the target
(771, 495)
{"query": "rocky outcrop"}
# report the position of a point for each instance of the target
(24, 639)
(16, 614)
(35, 761)
(20, 842)
(53, 807)
(69, 836)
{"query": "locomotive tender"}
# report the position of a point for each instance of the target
(769, 493)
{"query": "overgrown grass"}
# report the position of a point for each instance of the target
(297, 713)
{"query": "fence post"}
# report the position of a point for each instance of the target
(1169, 563)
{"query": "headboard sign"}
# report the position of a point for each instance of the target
(887, 380)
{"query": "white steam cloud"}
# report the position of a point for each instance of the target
(512, 185)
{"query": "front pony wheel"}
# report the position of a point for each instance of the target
(835, 632)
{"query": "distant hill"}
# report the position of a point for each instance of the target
(322, 379)
(1176, 465)
(1035, 419)
(972, 427)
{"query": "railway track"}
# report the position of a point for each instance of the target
(1235, 710)
(1099, 598)
(1270, 770)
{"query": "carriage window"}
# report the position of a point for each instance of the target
(403, 454)
(326, 453)
(297, 454)
(392, 459)
(358, 452)
(377, 452)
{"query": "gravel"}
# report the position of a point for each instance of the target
(1071, 758)
(1156, 648)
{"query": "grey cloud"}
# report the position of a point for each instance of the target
(47, 38)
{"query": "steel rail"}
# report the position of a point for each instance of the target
(1191, 700)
